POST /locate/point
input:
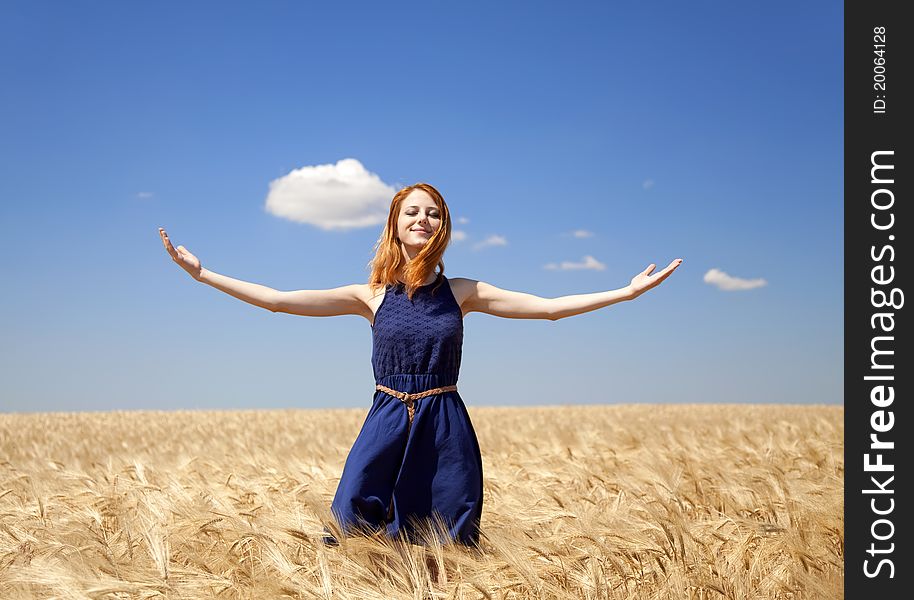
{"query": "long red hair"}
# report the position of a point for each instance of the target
(389, 259)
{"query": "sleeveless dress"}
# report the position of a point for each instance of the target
(399, 476)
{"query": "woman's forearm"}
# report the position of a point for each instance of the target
(252, 293)
(567, 306)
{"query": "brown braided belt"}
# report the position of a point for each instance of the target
(407, 399)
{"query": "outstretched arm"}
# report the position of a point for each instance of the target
(486, 298)
(252, 293)
(345, 300)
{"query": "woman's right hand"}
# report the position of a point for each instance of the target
(185, 259)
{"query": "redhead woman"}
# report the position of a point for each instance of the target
(415, 467)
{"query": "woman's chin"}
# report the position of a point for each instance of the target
(416, 246)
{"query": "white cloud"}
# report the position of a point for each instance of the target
(492, 240)
(144, 195)
(647, 184)
(589, 262)
(458, 235)
(582, 233)
(728, 283)
(333, 197)
(463, 220)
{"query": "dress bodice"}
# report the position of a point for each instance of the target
(419, 337)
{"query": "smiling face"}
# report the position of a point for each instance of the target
(419, 219)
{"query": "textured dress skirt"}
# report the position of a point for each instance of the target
(415, 466)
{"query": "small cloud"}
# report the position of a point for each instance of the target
(582, 233)
(337, 196)
(492, 240)
(728, 283)
(589, 262)
(462, 220)
(647, 184)
(144, 195)
(458, 235)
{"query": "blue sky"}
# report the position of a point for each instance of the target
(710, 131)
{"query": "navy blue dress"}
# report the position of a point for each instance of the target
(432, 466)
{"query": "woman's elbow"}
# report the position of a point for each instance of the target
(275, 303)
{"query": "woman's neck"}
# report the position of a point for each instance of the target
(433, 280)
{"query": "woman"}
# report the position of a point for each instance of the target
(415, 465)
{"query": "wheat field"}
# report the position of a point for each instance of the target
(603, 501)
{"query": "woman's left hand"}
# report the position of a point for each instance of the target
(644, 281)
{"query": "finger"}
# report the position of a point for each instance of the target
(171, 249)
(648, 270)
(664, 274)
(670, 268)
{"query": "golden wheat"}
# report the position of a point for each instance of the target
(629, 501)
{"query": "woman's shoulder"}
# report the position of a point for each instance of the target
(370, 290)
(461, 280)
(462, 288)
(463, 283)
